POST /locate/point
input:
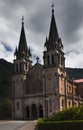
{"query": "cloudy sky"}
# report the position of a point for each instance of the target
(37, 14)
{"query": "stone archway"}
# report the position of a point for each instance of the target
(33, 111)
(40, 110)
(27, 112)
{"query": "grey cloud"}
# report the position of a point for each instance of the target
(72, 51)
(72, 18)
(68, 14)
(7, 48)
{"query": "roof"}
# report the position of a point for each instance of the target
(37, 66)
(78, 81)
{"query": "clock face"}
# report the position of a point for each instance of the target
(49, 76)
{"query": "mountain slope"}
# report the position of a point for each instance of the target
(75, 73)
(6, 71)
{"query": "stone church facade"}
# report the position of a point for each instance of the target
(40, 90)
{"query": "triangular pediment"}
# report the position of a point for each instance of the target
(37, 67)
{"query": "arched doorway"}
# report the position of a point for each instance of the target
(40, 111)
(33, 111)
(27, 112)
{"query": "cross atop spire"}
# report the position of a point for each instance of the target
(53, 33)
(22, 20)
(37, 59)
(23, 50)
(52, 6)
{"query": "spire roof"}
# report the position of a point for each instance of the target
(53, 33)
(22, 47)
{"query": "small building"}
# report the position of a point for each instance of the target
(79, 91)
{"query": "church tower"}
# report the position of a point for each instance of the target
(22, 64)
(54, 81)
(22, 54)
(54, 55)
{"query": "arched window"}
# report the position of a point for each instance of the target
(20, 66)
(26, 66)
(29, 67)
(61, 60)
(69, 103)
(57, 59)
(33, 111)
(62, 103)
(48, 60)
(27, 112)
(50, 102)
(62, 77)
(16, 67)
(52, 59)
(40, 111)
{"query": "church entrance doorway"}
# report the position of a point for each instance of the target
(27, 112)
(33, 111)
(40, 111)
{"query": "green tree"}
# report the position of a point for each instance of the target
(6, 109)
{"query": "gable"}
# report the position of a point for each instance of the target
(36, 68)
(34, 81)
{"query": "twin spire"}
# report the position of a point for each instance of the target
(53, 33)
(23, 50)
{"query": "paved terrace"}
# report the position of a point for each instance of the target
(17, 125)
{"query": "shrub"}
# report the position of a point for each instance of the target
(74, 113)
(6, 109)
(61, 125)
(68, 119)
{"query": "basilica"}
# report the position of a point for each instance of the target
(41, 90)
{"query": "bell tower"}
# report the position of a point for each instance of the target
(22, 64)
(54, 80)
(53, 54)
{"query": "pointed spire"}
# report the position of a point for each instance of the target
(15, 53)
(46, 42)
(52, 7)
(22, 20)
(29, 51)
(22, 48)
(53, 33)
(46, 39)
